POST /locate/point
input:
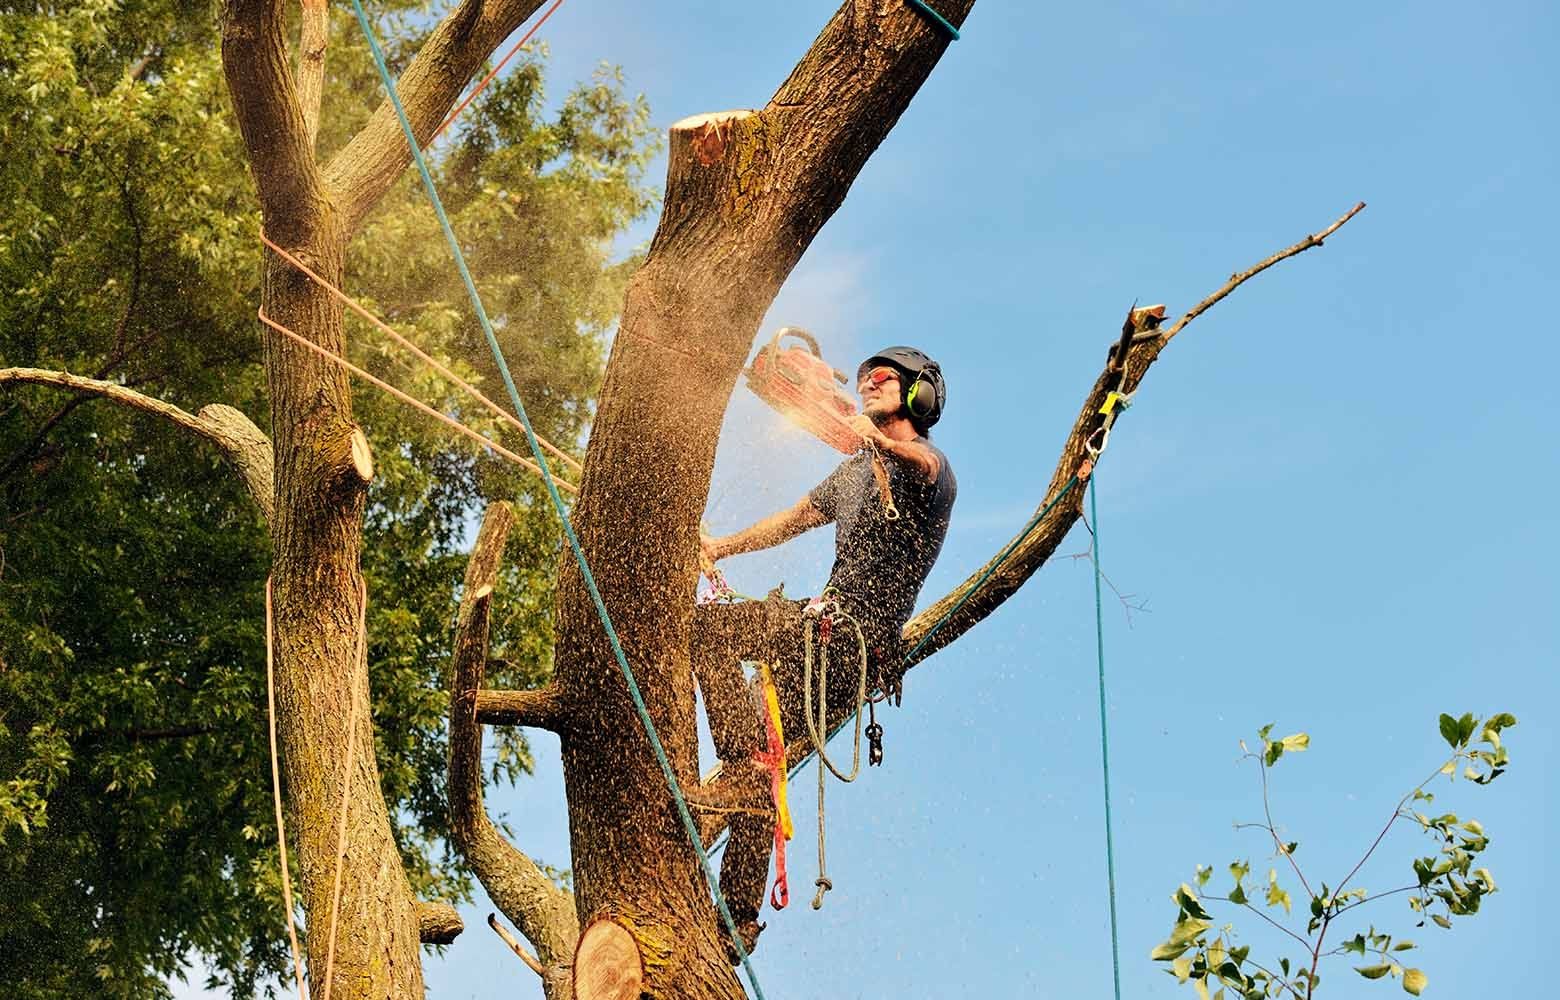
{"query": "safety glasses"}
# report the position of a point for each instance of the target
(878, 376)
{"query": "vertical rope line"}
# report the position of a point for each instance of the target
(346, 787)
(552, 491)
(1099, 641)
(276, 790)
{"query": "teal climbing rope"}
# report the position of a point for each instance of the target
(1099, 644)
(935, 19)
(552, 491)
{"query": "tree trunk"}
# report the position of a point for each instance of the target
(320, 490)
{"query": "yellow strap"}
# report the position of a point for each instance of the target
(772, 706)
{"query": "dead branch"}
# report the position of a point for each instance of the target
(515, 946)
(543, 912)
(1031, 552)
(246, 448)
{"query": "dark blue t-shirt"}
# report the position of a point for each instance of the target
(880, 565)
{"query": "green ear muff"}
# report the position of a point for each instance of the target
(921, 400)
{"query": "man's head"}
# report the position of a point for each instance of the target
(902, 381)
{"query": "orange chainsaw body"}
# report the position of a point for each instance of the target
(796, 381)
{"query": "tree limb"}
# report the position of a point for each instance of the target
(538, 709)
(246, 448)
(363, 171)
(270, 117)
(1031, 552)
(543, 912)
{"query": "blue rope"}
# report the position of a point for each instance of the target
(938, 21)
(552, 491)
(1099, 639)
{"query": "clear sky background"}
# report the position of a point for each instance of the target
(1336, 491)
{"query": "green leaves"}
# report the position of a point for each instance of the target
(1275, 895)
(134, 565)
(1272, 750)
(1447, 882)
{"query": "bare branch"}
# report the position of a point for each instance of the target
(1237, 279)
(438, 923)
(1031, 552)
(312, 38)
(543, 912)
(515, 946)
(363, 171)
(243, 444)
(539, 709)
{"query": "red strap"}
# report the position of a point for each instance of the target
(773, 757)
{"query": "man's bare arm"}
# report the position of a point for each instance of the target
(768, 533)
(917, 454)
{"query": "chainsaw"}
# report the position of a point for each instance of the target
(797, 382)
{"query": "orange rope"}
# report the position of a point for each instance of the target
(346, 787)
(405, 342)
(489, 78)
(276, 792)
(459, 427)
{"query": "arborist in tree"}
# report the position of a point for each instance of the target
(890, 503)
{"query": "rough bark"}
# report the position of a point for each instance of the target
(320, 487)
(543, 912)
(746, 192)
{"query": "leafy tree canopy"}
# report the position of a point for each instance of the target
(135, 816)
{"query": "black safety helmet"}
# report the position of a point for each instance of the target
(922, 389)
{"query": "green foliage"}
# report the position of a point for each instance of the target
(1445, 885)
(135, 819)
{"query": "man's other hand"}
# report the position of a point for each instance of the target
(863, 425)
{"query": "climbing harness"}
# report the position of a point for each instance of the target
(824, 610)
(772, 758)
(589, 579)
(935, 19)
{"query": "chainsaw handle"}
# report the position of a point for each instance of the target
(799, 334)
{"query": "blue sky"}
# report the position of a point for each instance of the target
(1335, 491)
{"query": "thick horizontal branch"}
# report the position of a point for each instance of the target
(438, 923)
(242, 443)
(518, 887)
(539, 709)
(363, 171)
